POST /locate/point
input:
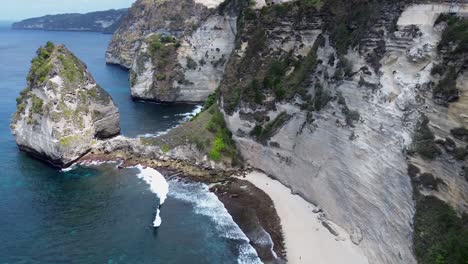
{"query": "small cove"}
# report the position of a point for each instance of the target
(100, 214)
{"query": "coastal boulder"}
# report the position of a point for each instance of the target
(62, 112)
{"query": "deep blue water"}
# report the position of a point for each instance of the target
(100, 214)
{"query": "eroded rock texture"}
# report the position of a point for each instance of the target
(62, 112)
(329, 103)
(176, 51)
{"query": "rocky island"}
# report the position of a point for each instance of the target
(101, 21)
(62, 112)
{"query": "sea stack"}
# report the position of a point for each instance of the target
(62, 112)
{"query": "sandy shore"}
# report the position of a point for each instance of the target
(306, 239)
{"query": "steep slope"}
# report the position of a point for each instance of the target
(326, 98)
(358, 106)
(62, 111)
(176, 50)
(101, 21)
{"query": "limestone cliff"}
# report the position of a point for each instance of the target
(62, 111)
(358, 106)
(175, 50)
(326, 98)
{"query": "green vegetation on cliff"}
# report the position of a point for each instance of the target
(41, 67)
(423, 140)
(71, 67)
(208, 132)
(440, 235)
(37, 104)
(461, 133)
(350, 21)
(455, 34)
(262, 70)
(162, 50)
(223, 145)
(264, 133)
(454, 48)
(67, 141)
(446, 89)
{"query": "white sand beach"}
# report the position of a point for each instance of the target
(306, 239)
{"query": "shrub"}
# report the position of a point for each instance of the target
(274, 77)
(191, 64)
(68, 140)
(413, 171)
(350, 20)
(211, 100)
(222, 145)
(263, 134)
(155, 44)
(438, 69)
(233, 100)
(461, 153)
(257, 131)
(446, 90)
(351, 116)
(253, 93)
(165, 148)
(456, 33)
(321, 98)
(41, 67)
(202, 62)
(21, 108)
(218, 147)
(423, 140)
(23, 95)
(440, 235)
(256, 43)
(460, 133)
(429, 181)
(69, 70)
(37, 104)
(303, 69)
(220, 62)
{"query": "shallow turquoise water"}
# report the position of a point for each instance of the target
(100, 214)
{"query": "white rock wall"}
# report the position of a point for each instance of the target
(213, 43)
(358, 175)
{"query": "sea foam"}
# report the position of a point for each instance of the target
(158, 185)
(189, 115)
(186, 117)
(207, 203)
(91, 163)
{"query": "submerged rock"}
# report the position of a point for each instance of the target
(62, 112)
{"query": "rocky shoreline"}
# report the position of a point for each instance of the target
(254, 212)
(258, 220)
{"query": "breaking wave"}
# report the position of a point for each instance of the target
(186, 117)
(207, 203)
(158, 185)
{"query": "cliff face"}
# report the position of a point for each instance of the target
(327, 98)
(102, 21)
(360, 107)
(175, 50)
(62, 111)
